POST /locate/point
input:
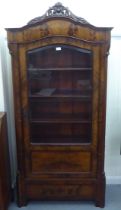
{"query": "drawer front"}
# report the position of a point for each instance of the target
(60, 191)
(60, 161)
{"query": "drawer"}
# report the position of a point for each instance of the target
(60, 161)
(60, 191)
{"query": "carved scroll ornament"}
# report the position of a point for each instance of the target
(58, 10)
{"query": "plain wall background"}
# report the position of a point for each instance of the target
(100, 13)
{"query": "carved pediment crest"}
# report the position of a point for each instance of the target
(58, 10)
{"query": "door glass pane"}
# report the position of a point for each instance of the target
(60, 92)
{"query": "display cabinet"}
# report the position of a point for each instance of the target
(59, 78)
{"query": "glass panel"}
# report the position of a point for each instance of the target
(60, 83)
(66, 57)
(60, 109)
(60, 132)
(60, 92)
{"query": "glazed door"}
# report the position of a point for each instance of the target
(58, 101)
(60, 95)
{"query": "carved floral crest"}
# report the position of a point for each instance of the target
(58, 10)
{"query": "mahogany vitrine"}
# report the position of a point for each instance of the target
(59, 78)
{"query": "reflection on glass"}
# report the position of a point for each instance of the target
(60, 82)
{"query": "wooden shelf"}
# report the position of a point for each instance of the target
(54, 92)
(61, 140)
(61, 69)
(81, 97)
(64, 121)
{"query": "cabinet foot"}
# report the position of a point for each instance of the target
(100, 193)
(20, 189)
